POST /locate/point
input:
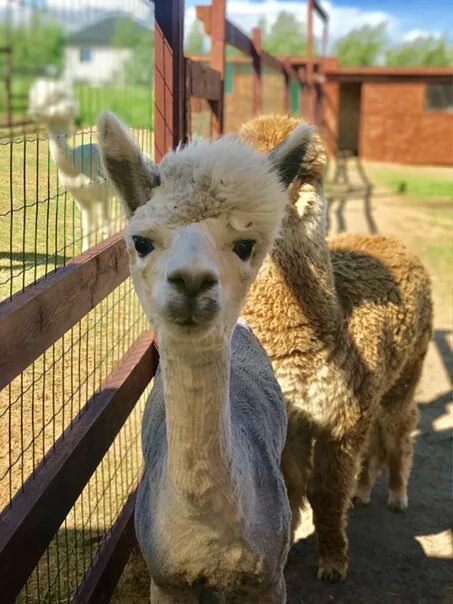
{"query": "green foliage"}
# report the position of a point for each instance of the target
(426, 50)
(37, 46)
(195, 39)
(128, 34)
(362, 46)
(285, 37)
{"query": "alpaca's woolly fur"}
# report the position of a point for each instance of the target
(346, 325)
(79, 169)
(212, 513)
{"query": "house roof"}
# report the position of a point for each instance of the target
(101, 33)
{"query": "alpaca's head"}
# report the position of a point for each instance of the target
(201, 224)
(267, 133)
(52, 101)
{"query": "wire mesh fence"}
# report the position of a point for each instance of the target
(63, 62)
(50, 169)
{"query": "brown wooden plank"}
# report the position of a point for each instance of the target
(34, 319)
(233, 35)
(203, 13)
(100, 580)
(218, 63)
(36, 513)
(170, 126)
(205, 83)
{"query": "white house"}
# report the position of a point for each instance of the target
(93, 56)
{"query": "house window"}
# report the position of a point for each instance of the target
(439, 97)
(85, 55)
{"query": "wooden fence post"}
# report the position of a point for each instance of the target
(301, 74)
(170, 100)
(257, 83)
(309, 68)
(287, 89)
(218, 63)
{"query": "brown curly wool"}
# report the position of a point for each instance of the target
(347, 325)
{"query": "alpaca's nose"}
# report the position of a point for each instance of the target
(190, 282)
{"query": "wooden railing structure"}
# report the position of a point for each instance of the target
(32, 320)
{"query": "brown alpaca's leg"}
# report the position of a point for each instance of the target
(330, 492)
(296, 468)
(373, 460)
(399, 416)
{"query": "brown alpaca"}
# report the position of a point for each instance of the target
(347, 325)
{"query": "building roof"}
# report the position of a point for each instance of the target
(101, 33)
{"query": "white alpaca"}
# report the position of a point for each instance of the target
(79, 168)
(212, 515)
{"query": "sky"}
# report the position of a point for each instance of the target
(406, 19)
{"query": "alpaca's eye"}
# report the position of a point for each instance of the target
(244, 248)
(143, 245)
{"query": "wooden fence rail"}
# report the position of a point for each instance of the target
(36, 318)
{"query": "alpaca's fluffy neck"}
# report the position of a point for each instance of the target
(196, 387)
(60, 151)
(304, 256)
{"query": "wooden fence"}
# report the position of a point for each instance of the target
(34, 319)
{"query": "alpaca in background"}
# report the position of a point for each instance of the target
(79, 169)
(346, 323)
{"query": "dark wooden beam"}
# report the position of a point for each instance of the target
(99, 581)
(271, 61)
(34, 319)
(204, 82)
(257, 99)
(36, 513)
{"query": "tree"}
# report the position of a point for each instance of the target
(424, 50)
(139, 40)
(195, 39)
(286, 36)
(362, 46)
(36, 46)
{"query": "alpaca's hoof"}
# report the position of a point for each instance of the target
(359, 500)
(397, 502)
(332, 572)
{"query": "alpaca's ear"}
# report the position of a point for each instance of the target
(131, 173)
(288, 158)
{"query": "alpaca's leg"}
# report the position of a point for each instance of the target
(330, 490)
(296, 464)
(85, 221)
(276, 594)
(372, 462)
(104, 216)
(399, 417)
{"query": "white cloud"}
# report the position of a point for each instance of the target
(413, 34)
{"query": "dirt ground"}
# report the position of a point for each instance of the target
(395, 558)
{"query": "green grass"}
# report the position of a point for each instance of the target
(134, 103)
(408, 182)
